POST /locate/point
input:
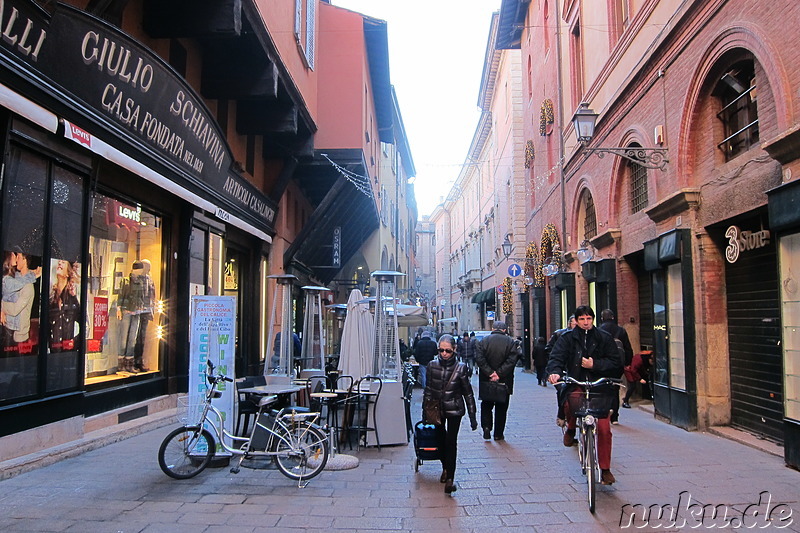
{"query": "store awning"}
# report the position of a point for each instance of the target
(484, 296)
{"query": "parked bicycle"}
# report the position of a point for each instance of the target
(298, 446)
(587, 408)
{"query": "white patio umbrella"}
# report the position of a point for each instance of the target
(355, 355)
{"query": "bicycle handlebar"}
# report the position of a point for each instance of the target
(212, 378)
(589, 384)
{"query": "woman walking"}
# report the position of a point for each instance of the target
(448, 383)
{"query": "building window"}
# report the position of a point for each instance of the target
(305, 27)
(619, 17)
(587, 216)
(736, 91)
(639, 198)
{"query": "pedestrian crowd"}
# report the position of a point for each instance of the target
(581, 350)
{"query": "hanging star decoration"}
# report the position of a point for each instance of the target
(546, 118)
(508, 296)
(532, 267)
(530, 154)
(550, 244)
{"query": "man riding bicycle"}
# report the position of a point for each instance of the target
(586, 353)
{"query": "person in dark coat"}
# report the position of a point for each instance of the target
(540, 361)
(496, 357)
(424, 352)
(448, 383)
(637, 372)
(586, 353)
(610, 326)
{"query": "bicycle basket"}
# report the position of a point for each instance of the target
(189, 412)
(598, 404)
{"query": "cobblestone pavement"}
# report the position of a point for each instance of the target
(529, 482)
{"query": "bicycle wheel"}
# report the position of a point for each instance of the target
(185, 452)
(591, 467)
(582, 448)
(302, 452)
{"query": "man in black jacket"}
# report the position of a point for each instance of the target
(424, 352)
(586, 353)
(496, 357)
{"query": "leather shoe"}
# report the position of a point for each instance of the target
(487, 433)
(626, 405)
(449, 486)
(569, 438)
(606, 477)
(499, 437)
(444, 476)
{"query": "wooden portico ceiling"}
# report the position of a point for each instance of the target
(239, 63)
(337, 202)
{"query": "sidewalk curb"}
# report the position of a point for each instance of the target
(90, 441)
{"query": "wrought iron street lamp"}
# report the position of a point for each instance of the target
(507, 245)
(584, 121)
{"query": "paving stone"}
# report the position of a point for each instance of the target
(528, 483)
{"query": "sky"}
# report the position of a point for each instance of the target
(436, 53)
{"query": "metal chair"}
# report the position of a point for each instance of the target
(248, 408)
(366, 394)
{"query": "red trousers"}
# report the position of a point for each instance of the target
(603, 427)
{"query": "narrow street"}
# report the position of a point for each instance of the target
(529, 482)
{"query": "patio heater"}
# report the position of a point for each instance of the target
(390, 407)
(279, 359)
(312, 353)
(386, 349)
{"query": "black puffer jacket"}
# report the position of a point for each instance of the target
(455, 395)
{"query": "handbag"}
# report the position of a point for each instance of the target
(432, 410)
(493, 391)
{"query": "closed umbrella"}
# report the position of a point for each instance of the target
(357, 336)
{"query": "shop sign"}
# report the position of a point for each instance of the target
(100, 321)
(337, 246)
(742, 241)
(129, 86)
(119, 214)
(212, 338)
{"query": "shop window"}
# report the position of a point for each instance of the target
(124, 305)
(64, 294)
(736, 91)
(639, 194)
(675, 329)
(789, 257)
(26, 176)
(42, 330)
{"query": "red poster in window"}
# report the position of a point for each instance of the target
(100, 317)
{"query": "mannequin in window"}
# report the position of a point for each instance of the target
(134, 310)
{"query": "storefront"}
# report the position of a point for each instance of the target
(753, 311)
(668, 259)
(784, 217)
(120, 200)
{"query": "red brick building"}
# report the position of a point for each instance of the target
(697, 256)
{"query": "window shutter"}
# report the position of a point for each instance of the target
(298, 18)
(311, 21)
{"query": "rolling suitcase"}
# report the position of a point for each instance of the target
(425, 445)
